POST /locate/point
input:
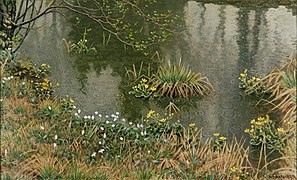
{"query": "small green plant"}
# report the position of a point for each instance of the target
(144, 89)
(218, 142)
(44, 89)
(251, 85)
(179, 81)
(239, 173)
(81, 46)
(264, 132)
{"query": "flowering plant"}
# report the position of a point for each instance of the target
(144, 89)
(263, 131)
(218, 142)
(251, 85)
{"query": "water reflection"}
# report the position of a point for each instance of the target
(221, 41)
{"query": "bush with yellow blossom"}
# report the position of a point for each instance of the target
(145, 89)
(264, 132)
(251, 85)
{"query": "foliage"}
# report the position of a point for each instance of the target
(180, 81)
(124, 20)
(81, 46)
(144, 89)
(218, 143)
(281, 82)
(171, 81)
(264, 132)
(251, 85)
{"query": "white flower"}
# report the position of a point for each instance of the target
(107, 122)
(41, 127)
(96, 112)
(112, 115)
(49, 107)
(148, 151)
(121, 138)
(102, 128)
(11, 77)
(138, 126)
(115, 119)
(100, 142)
(23, 83)
(56, 137)
(82, 132)
(55, 145)
(106, 116)
(113, 125)
(141, 125)
(130, 123)
(123, 119)
(142, 133)
(101, 151)
(85, 117)
(5, 79)
(93, 154)
(92, 117)
(99, 115)
(89, 117)
(1, 100)
(104, 135)
(78, 111)
(74, 107)
(5, 152)
(117, 113)
(76, 114)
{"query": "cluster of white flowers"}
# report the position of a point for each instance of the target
(7, 79)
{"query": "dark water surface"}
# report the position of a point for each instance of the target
(220, 42)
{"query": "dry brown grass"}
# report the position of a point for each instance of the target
(281, 83)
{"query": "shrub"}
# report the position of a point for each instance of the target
(264, 132)
(251, 85)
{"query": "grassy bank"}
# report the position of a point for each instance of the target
(46, 137)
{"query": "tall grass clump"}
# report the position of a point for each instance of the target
(180, 81)
(281, 83)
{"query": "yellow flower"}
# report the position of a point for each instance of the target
(163, 120)
(57, 84)
(46, 80)
(258, 79)
(43, 65)
(216, 134)
(233, 168)
(144, 80)
(146, 86)
(280, 130)
(259, 123)
(222, 138)
(192, 125)
(254, 78)
(261, 118)
(71, 100)
(267, 116)
(253, 121)
(243, 75)
(252, 130)
(153, 88)
(247, 130)
(150, 113)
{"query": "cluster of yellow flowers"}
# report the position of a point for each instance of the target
(220, 138)
(150, 113)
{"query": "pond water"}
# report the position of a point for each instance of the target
(220, 42)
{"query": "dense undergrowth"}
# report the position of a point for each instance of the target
(46, 137)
